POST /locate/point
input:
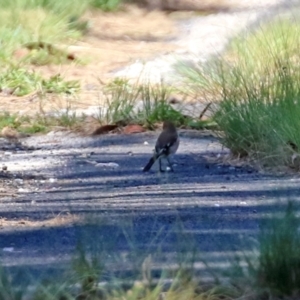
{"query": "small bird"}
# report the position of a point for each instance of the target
(166, 145)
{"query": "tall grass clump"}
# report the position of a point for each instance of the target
(279, 259)
(141, 103)
(256, 88)
(26, 21)
(271, 269)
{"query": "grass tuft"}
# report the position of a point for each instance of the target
(101, 271)
(143, 104)
(23, 22)
(256, 85)
(272, 269)
(18, 81)
(106, 5)
(279, 259)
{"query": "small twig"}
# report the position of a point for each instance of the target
(204, 110)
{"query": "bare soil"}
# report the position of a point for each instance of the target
(113, 41)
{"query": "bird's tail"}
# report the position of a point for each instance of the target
(149, 164)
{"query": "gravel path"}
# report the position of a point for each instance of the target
(73, 180)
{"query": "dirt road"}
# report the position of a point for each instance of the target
(74, 180)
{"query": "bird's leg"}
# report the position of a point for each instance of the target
(160, 168)
(170, 165)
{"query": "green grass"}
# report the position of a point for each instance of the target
(36, 22)
(40, 53)
(46, 21)
(124, 103)
(106, 5)
(22, 124)
(279, 260)
(144, 104)
(30, 21)
(36, 26)
(41, 123)
(272, 273)
(273, 269)
(256, 85)
(42, 22)
(18, 81)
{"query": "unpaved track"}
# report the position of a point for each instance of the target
(219, 206)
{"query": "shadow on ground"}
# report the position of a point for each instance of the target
(127, 215)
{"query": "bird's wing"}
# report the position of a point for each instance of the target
(164, 142)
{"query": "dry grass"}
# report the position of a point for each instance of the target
(55, 221)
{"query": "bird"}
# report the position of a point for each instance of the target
(166, 145)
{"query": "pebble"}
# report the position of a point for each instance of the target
(21, 190)
(111, 165)
(19, 181)
(8, 249)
